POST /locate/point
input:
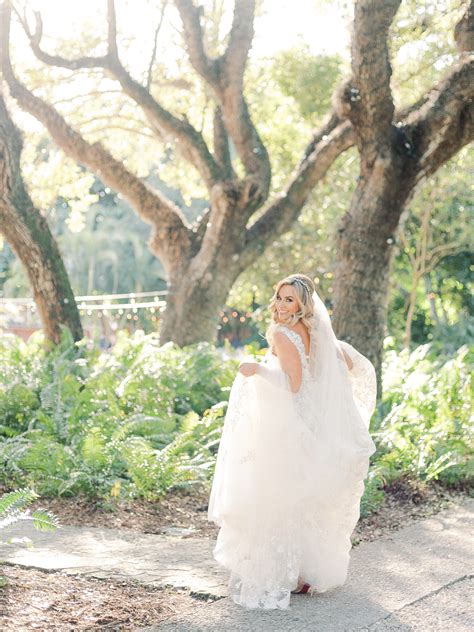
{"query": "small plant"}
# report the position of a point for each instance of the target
(13, 508)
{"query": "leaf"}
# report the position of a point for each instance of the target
(44, 520)
(16, 500)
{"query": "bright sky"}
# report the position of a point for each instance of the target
(287, 22)
(283, 23)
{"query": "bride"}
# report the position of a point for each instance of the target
(293, 456)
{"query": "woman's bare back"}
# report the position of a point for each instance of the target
(303, 332)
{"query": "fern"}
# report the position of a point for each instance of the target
(16, 500)
(13, 508)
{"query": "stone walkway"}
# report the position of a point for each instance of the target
(157, 560)
(417, 578)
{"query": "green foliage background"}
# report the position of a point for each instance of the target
(142, 420)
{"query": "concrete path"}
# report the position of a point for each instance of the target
(156, 560)
(415, 579)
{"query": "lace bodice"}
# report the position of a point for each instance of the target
(302, 395)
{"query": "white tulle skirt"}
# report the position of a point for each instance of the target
(284, 494)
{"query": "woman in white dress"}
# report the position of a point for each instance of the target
(293, 456)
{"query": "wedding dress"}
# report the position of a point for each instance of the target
(290, 468)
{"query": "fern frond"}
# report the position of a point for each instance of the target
(16, 500)
(44, 520)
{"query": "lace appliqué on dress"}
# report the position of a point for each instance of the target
(302, 396)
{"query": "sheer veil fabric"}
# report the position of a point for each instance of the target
(290, 469)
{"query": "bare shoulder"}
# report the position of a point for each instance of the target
(281, 339)
(283, 344)
(304, 334)
(301, 329)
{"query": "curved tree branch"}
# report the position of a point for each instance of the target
(221, 145)
(241, 35)
(152, 207)
(283, 211)
(464, 30)
(368, 98)
(445, 122)
(225, 77)
(206, 67)
(155, 43)
(190, 143)
(437, 126)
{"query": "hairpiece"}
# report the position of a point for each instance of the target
(302, 283)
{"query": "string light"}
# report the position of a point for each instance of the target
(96, 297)
(116, 311)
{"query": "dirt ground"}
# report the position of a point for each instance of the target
(39, 600)
(405, 501)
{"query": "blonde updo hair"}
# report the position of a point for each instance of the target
(304, 287)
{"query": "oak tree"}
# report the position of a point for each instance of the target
(27, 231)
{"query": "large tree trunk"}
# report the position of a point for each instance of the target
(199, 282)
(364, 251)
(27, 232)
(192, 307)
(394, 158)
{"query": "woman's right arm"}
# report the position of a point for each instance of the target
(290, 364)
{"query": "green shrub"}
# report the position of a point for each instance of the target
(426, 427)
(115, 422)
(14, 507)
(143, 419)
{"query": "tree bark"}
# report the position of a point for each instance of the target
(395, 157)
(364, 250)
(431, 298)
(187, 297)
(28, 233)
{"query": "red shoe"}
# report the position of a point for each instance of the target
(302, 590)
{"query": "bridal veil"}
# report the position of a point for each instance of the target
(290, 469)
